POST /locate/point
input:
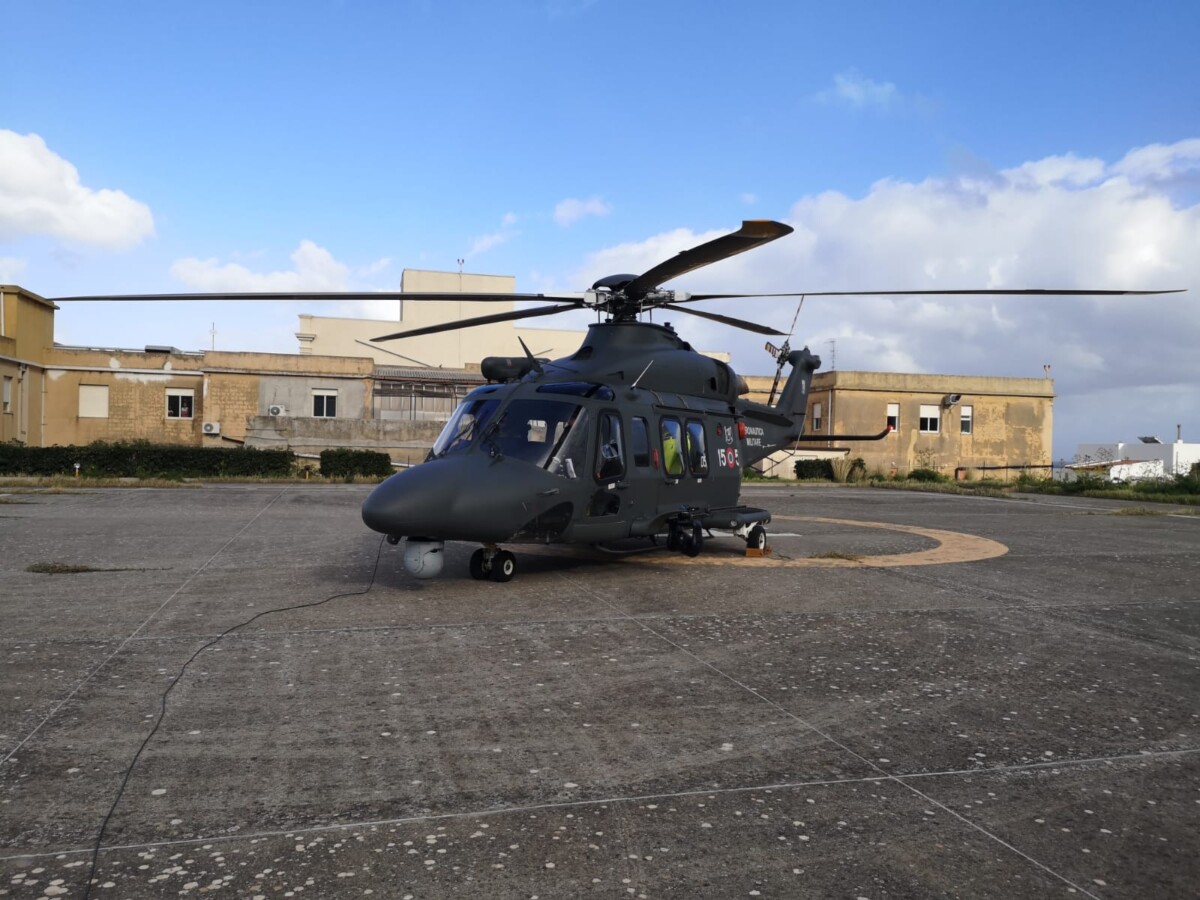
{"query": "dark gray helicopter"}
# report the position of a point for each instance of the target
(633, 435)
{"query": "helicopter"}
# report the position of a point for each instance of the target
(635, 435)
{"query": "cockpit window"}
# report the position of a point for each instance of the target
(464, 426)
(551, 434)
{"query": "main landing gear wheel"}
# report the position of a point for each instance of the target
(479, 565)
(757, 539)
(692, 544)
(504, 566)
(498, 565)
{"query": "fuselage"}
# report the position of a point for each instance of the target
(631, 431)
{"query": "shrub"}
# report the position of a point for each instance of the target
(348, 463)
(925, 475)
(139, 459)
(814, 469)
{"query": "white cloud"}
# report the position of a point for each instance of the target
(852, 88)
(41, 194)
(571, 210)
(315, 269)
(1058, 222)
(486, 242)
(372, 269)
(748, 199)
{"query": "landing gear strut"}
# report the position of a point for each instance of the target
(494, 563)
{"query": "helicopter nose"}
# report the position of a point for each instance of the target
(463, 498)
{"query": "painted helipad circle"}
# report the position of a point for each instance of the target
(949, 547)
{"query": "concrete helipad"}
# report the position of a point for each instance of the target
(915, 696)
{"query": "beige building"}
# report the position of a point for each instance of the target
(26, 337)
(965, 426)
(463, 349)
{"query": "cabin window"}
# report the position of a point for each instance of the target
(93, 401)
(610, 449)
(930, 418)
(640, 437)
(324, 403)
(893, 416)
(697, 452)
(180, 403)
(672, 447)
(966, 424)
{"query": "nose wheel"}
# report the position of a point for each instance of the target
(492, 563)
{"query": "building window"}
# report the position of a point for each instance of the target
(931, 418)
(93, 401)
(180, 403)
(7, 393)
(816, 418)
(966, 423)
(893, 416)
(324, 404)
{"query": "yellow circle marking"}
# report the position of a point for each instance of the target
(950, 547)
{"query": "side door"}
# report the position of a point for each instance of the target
(607, 512)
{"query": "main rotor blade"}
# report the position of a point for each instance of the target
(753, 233)
(996, 292)
(330, 295)
(726, 320)
(477, 320)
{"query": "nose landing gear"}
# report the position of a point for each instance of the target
(489, 561)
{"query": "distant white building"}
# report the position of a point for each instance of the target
(1147, 458)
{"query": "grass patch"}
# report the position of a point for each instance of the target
(837, 554)
(943, 487)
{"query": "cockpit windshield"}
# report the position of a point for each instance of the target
(464, 426)
(551, 434)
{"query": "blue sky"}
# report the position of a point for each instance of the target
(169, 147)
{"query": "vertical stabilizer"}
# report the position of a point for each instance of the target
(769, 428)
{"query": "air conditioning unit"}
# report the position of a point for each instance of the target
(212, 428)
(275, 410)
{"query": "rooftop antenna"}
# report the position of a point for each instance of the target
(213, 332)
(832, 353)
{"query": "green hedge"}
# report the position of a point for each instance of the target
(814, 469)
(346, 463)
(141, 459)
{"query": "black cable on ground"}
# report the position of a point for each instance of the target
(87, 887)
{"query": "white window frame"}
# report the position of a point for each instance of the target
(93, 401)
(816, 418)
(893, 416)
(8, 383)
(179, 395)
(323, 395)
(966, 424)
(929, 420)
